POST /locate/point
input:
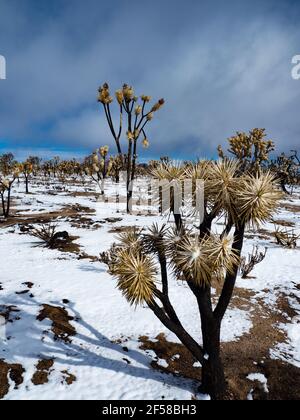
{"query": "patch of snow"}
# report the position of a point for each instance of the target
(289, 351)
(260, 378)
(163, 363)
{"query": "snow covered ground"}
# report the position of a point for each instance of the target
(104, 357)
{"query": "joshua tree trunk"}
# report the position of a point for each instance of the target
(3, 205)
(6, 206)
(282, 183)
(26, 183)
(178, 221)
(213, 377)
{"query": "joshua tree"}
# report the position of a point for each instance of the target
(26, 169)
(6, 163)
(98, 166)
(5, 191)
(137, 118)
(251, 150)
(287, 169)
(139, 261)
(36, 163)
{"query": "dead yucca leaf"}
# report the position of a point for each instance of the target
(257, 198)
(136, 276)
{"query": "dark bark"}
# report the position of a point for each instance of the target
(26, 184)
(213, 377)
(283, 187)
(179, 331)
(6, 205)
(178, 221)
(3, 204)
(230, 279)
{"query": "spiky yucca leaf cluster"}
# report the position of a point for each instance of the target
(257, 198)
(134, 270)
(136, 275)
(201, 261)
(221, 184)
(130, 239)
(170, 171)
(155, 240)
(172, 175)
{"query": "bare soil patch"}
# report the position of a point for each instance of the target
(14, 372)
(61, 327)
(73, 212)
(68, 377)
(43, 370)
(249, 354)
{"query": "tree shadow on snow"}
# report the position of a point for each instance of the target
(30, 338)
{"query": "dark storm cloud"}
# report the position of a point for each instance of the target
(221, 66)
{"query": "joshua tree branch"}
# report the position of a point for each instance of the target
(111, 122)
(179, 331)
(230, 279)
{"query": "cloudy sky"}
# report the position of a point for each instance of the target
(221, 67)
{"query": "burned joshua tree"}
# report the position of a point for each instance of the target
(137, 118)
(140, 261)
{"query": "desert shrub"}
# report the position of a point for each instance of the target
(248, 264)
(286, 238)
(49, 235)
(7, 163)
